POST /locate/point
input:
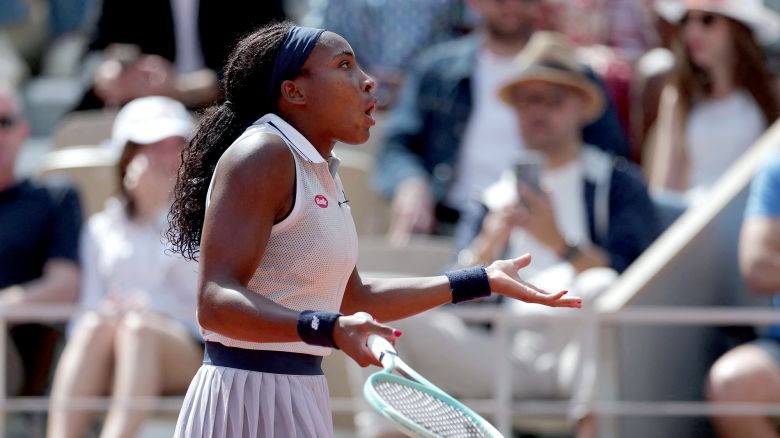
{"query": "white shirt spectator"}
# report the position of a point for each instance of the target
(492, 131)
(718, 132)
(565, 188)
(128, 262)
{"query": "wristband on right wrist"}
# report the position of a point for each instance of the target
(316, 327)
(468, 284)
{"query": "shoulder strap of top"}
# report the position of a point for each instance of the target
(254, 129)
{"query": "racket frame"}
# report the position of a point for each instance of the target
(392, 364)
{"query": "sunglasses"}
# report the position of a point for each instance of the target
(524, 100)
(8, 122)
(706, 20)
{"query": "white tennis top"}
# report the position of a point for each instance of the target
(312, 252)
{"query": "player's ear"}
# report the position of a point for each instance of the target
(293, 93)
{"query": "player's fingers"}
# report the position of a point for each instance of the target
(537, 295)
(522, 261)
(573, 302)
(553, 299)
(385, 331)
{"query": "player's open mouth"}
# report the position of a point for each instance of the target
(370, 112)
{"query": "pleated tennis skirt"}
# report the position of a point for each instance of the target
(227, 402)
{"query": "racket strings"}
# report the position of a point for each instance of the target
(428, 411)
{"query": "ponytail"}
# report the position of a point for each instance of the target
(247, 73)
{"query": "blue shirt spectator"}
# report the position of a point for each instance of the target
(764, 201)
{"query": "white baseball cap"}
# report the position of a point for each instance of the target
(150, 119)
(762, 20)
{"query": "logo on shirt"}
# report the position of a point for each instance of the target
(321, 201)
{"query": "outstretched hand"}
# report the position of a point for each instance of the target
(504, 279)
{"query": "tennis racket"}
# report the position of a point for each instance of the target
(414, 404)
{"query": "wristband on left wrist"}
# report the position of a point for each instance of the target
(468, 283)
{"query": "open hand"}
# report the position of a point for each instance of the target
(504, 279)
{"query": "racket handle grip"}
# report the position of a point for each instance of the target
(379, 345)
(376, 343)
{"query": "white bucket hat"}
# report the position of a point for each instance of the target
(150, 119)
(763, 21)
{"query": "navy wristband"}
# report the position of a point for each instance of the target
(468, 284)
(316, 328)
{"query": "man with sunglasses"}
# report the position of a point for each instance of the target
(39, 232)
(584, 220)
(448, 124)
(587, 208)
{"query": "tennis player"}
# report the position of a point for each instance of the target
(259, 202)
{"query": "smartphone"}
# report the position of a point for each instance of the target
(528, 170)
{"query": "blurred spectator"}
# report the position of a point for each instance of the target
(22, 36)
(139, 338)
(589, 208)
(721, 97)
(28, 28)
(173, 48)
(588, 219)
(39, 229)
(751, 373)
(651, 73)
(623, 25)
(448, 126)
(387, 34)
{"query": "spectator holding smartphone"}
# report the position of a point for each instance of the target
(591, 211)
(592, 208)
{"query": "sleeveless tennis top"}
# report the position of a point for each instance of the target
(312, 252)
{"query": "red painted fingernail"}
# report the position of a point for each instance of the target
(565, 292)
(397, 333)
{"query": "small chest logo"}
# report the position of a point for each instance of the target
(321, 201)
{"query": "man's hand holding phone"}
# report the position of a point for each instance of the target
(536, 214)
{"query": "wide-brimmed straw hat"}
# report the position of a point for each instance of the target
(551, 57)
(764, 22)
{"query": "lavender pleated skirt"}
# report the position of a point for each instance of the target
(228, 402)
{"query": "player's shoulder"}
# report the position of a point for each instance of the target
(262, 155)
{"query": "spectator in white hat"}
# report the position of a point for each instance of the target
(139, 337)
(720, 98)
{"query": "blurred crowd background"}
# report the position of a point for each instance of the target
(576, 130)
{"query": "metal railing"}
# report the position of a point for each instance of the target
(501, 407)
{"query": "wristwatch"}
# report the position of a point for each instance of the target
(570, 251)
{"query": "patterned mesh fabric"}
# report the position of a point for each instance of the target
(311, 253)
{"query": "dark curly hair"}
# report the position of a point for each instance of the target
(245, 85)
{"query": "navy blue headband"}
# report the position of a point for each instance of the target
(295, 50)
